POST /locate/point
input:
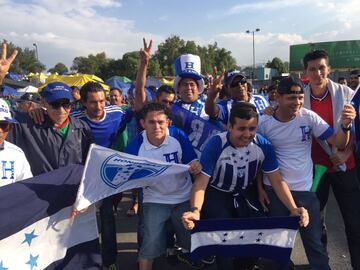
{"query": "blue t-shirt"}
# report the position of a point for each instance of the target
(106, 130)
(232, 168)
(225, 106)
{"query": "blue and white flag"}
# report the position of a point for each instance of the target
(108, 172)
(271, 238)
(35, 229)
(197, 129)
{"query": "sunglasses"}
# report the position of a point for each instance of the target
(56, 105)
(5, 126)
(236, 83)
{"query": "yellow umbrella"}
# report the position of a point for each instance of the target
(76, 80)
(167, 82)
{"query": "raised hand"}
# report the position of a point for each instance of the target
(215, 82)
(144, 53)
(5, 63)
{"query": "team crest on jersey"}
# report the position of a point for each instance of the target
(116, 170)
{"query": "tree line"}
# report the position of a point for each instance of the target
(161, 62)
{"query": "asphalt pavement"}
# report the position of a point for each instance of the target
(127, 243)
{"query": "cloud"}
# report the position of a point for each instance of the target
(265, 5)
(62, 33)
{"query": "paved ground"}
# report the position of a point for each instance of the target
(127, 247)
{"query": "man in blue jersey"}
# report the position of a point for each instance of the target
(237, 86)
(231, 161)
(106, 123)
(169, 198)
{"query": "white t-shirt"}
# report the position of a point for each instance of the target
(176, 148)
(292, 143)
(13, 164)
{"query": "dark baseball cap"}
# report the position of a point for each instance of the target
(233, 74)
(34, 97)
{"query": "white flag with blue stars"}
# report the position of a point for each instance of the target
(35, 227)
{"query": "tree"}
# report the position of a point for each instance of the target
(277, 64)
(154, 69)
(59, 68)
(90, 64)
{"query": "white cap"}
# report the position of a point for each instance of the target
(5, 114)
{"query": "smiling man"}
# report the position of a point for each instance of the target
(290, 130)
(169, 198)
(229, 172)
(327, 99)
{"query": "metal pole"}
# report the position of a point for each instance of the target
(36, 51)
(253, 72)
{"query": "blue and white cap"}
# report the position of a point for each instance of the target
(56, 90)
(5, 114)
(188, 66)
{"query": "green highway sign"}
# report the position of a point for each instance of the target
(342, 54)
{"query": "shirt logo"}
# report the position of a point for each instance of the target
(306, 133)
(172, 157)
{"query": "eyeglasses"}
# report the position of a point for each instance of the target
(5, 126)
(56, 105)
(236, 83)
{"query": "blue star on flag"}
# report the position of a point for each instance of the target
(2, 267)
(32, 261)
(29, 237)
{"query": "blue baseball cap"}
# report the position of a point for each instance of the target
(55, 91)
(230, 76)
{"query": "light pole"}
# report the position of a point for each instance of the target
(253, 35)
(36, 51)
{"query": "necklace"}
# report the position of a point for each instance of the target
(320, 98)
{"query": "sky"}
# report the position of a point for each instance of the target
(66, 29)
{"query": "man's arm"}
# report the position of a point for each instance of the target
(342, 138)
(283, 192)
(196, 200)
(144, 58)
(5, 63)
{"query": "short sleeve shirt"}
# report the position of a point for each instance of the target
(292, 144)
(176, 148)
(232, 168)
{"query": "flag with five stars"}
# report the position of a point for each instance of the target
(267, 237)
(35, 229)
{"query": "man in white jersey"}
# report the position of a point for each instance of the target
(169, 198)
(290, 130)
(14, 165)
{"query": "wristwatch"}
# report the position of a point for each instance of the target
(346, 129)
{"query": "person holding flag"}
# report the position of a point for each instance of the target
(231, 162)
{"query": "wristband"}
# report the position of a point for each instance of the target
(346, 129)
(193, 209)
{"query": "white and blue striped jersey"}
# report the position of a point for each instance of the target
(197, 107)
(225, 106)
(176, 148)
(106, 130)
(292, 144)
(233, 168)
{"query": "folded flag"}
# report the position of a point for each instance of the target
(35, 229)
(108, 172)
(271, 238)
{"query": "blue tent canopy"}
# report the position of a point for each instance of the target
(9, 91)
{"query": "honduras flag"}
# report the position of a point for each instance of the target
(108, 172)
(35, 229)
(271, 238)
